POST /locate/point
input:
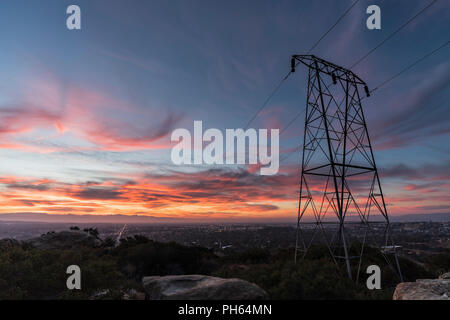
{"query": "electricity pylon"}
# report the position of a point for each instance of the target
(339, 183)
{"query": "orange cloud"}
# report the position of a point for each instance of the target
(213, 193)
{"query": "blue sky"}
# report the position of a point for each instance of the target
(89, 111)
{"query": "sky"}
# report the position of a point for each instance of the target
(86, 115)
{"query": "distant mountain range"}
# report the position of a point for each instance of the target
(434, 217)
(117, 218)
(85, 218)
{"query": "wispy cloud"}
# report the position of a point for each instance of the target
(420, 112)
(104, 121)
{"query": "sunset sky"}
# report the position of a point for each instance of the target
(86, 115)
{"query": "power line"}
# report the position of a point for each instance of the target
(410, 66)
(291, 153)
(290, 123)
(263, 106)
(289, 73)
(393, 34)
(376, 88)
(314, 46)
(332, 27)
(380, 85)
(267, 100)
(356, 63)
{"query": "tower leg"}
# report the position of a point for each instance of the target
(347, 258)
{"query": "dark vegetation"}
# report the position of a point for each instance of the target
(30, 273)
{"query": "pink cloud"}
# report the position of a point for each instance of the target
(107, 122)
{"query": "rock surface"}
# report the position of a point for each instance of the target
(423, 289)
(445, 276)
(64, 240)
(200, 287)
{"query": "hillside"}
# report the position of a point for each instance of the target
(36, 269)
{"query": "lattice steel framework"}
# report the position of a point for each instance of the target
(339, 185)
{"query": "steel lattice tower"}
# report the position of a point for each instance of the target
(339, 182)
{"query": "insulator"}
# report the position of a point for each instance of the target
(366, 88)
(333, 76)
(293, 64)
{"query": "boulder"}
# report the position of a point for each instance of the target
(200, 287)
(423, 289)
(445, 276)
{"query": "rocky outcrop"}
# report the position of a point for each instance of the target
(64, 240)
(445, 276)
(424, 289)
(200, 287)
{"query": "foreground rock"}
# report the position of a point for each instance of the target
(445, 276)
(200, 287)
(64, 240)
(423, 289)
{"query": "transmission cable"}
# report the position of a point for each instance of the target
(289, 73)
(370, 52)
(332, 27)
(410, 66)
(393, 34)
(377, 87)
